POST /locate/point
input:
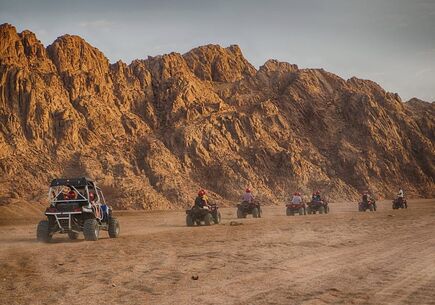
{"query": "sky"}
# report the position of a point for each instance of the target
(391, 42)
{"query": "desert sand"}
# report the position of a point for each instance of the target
(346, 257)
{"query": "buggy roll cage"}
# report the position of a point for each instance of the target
(57, 186)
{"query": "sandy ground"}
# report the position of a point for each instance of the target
(346, 257)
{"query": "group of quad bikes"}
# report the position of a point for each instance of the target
(370, 204)
(313, 207)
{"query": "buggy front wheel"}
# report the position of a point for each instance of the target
(113, 227)
(73, 235)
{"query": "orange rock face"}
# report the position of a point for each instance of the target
(155, 131)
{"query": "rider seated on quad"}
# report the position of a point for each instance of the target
(297, 199)
(316, 196)
(400, 196)
(201, 201)
(247, 196)
(366, 197)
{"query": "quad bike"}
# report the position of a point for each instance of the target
(320, 206)
(82, 210)
(206, 215)
(367, 205)
(400, 204)
(293, 209)
(244, 208)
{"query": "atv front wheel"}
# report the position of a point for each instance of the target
(255, 212)
(113, 227)
(371, 208)
(288, 212)
(73, 235)
(43, 231)
(240, 213)
(91, 229)
(322, 210)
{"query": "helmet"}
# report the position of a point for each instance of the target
(317, 192)
(201, 193)
(295, 194)
(248, 190)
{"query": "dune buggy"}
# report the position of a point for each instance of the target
(245, 208)
(320, 206)
(76, 205)
(207, 215)
(293, 209)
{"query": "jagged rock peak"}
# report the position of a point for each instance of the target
(214, 63)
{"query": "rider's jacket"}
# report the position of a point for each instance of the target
(200, 202)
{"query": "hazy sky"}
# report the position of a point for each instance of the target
(389, 41)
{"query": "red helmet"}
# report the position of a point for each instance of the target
(295, 194)
(247, 190)
(201, 193)
(317, 192)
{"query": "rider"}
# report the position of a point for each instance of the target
(297, 199)
(400, 195)
(247, 196)
(201, 200)
(365, 197)
(316, 196)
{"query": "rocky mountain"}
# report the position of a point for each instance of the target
(155, 131)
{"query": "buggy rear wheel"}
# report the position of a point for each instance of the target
(73, 235)
(255, 213)
(113, 227)
(91, 229)
(43, 231)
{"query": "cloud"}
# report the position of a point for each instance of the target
(96, 24)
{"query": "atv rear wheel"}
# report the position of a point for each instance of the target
(321, 210)
(189, 221)
(288, 212)
(208, 219)
(73, 235)
(91, 229)
(255, 212)
(43, 231)
(113, 227)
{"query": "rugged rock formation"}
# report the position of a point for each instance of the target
(154, 131)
